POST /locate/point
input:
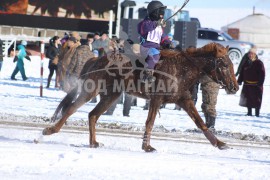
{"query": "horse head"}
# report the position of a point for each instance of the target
(220, 67)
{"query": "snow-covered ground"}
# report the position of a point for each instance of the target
(66, 155)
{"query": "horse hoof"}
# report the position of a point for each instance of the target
(222, 146)
(96, 145)
(149, 149)
(48, 131)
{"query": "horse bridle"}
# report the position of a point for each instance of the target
(217, 69)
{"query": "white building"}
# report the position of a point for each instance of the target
(253, 28)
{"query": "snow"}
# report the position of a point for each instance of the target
(180, 155)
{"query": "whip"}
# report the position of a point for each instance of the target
(185, 3)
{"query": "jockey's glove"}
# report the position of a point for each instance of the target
(162, 23)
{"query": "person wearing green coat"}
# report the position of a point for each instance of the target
(20, 65)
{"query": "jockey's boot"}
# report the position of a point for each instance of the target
(148, 77)
(210, 121)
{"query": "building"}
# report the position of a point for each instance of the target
(254, 28)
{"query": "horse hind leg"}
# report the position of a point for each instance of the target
(189, 107)
(72, 108)
(103, 105)
(65, 103)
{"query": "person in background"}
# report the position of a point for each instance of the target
(252, 74)
(96, 36)
(65, 38)
(151, 37)
(90, 40)
(20, 65)
(80, 57)
(1, 54)
(210, 90)
(52, 53)
(66, 53)
(243, 60)
(173, 43)
(65, 59)
(101, 44)
(128, 100)
(73, 43)
(58, 60)
(97, 45)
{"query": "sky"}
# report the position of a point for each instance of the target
(218, 3)
(218, 13)
(181, 155)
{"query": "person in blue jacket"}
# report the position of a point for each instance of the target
(151, 37)
(20, 65)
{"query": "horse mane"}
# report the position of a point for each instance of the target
(214, 49)
(170, 54)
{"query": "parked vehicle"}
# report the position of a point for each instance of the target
(237, 49)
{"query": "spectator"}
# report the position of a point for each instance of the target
(96, 36)
(64, 39)
(101, 44)
(81, 55)
(173, 43)
(126, 106)
(242, 62)
(20, 65)
(52, 53)
(64, 60)
(1, 54)
(210, 91)
(90, 40)
(252, 74)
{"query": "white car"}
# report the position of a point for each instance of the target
(237, 49)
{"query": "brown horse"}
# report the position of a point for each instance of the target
(176, 73)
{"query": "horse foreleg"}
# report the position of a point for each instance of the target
(104, 104)
(72, 108)
(154, 107)
(190, 108)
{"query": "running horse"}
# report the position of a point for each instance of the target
(175, 74)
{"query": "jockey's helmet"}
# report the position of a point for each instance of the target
(155, 9)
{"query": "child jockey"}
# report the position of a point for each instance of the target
(151, 36)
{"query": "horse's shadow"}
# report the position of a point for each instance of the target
(229, 158)
(16, 140)
(3, 138)
(25, 84)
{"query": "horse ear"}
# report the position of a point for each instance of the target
(227, 48)
(221, 51)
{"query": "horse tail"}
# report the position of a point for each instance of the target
(66, 102)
